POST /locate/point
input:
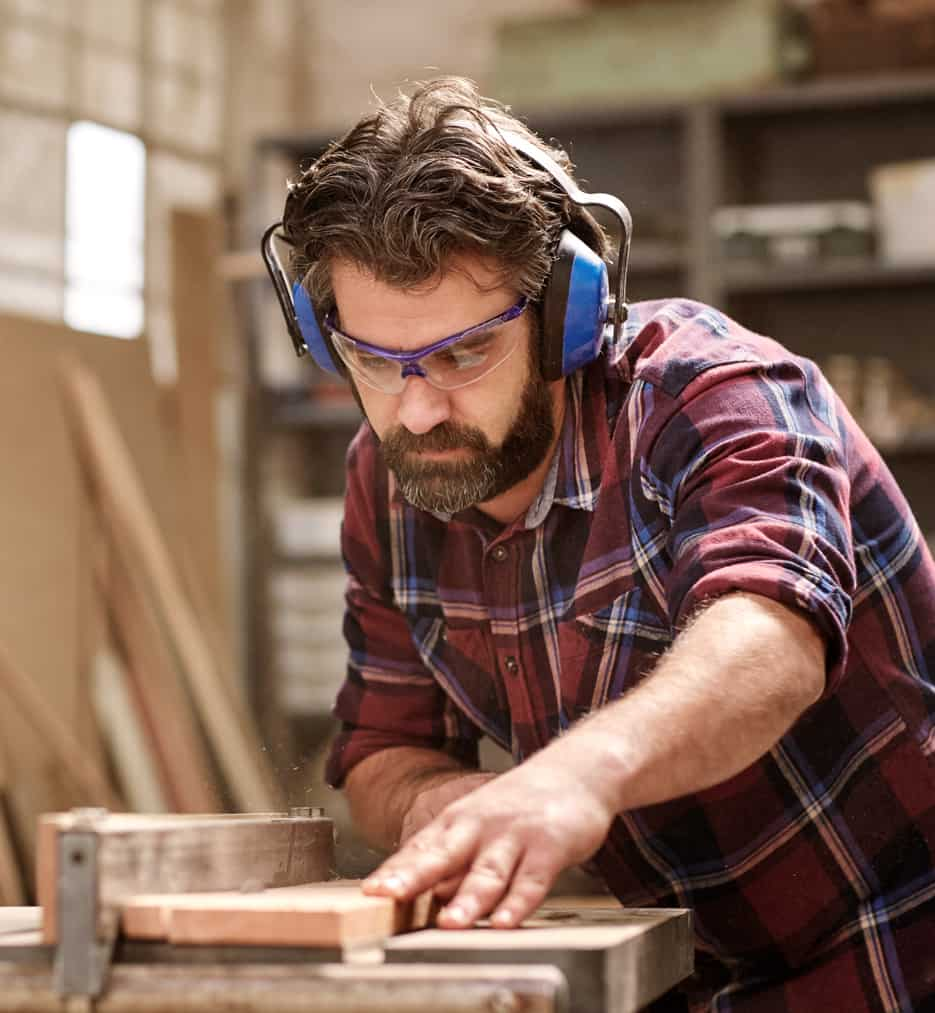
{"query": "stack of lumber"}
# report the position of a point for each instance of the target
(116, 681)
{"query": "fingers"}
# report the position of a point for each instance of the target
(483, 886)
(531, 883)
(508, 879)
(447, 888)
(435, 854)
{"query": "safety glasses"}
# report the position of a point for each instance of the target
(448, 364)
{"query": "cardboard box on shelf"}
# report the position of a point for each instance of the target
(904, 195)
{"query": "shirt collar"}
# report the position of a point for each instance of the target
(574, 478)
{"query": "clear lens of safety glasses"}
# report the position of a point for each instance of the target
(453, 362)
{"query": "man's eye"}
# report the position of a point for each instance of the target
(372, 363)
(461, 357)
(477, 345)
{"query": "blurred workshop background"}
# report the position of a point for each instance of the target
(170, 579)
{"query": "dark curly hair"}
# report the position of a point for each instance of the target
(425, 178)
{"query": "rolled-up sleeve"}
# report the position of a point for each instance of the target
(758, 494)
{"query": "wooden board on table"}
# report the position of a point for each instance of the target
(176, 853)
(333, 915)
(614, 959)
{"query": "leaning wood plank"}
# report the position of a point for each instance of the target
(11, 879)
(54, 734)
(118, 714)
(133, 523)
(182, 853)
(180, 753)
(314, 915)
(198, 303)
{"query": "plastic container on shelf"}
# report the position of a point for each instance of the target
(795, 233)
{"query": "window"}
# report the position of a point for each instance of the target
(104, 222)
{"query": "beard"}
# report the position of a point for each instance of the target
(487, 471)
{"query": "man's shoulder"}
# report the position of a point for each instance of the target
(670, 343)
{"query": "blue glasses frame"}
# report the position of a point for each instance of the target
(410, 361)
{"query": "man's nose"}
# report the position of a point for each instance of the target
(421, 406)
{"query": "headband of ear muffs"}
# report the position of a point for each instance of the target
(576, 301)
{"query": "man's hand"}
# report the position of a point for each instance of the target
(506, 842)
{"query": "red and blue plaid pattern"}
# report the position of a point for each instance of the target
(696, 459)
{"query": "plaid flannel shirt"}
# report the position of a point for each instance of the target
(696, 459)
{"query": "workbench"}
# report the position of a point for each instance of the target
(121, 929)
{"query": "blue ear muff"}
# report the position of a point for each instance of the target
(574, 308)
(312, 334)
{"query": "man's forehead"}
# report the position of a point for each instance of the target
(484, 274)
(467, 292)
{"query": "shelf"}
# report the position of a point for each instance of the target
(916, 443)
(813, 97)
(740, 277)
(652, 256)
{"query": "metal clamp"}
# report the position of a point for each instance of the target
(85, 946)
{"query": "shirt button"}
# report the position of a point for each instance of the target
(511, 665)
(499, 553)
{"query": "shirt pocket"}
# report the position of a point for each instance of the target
(458, 657)
(606, 650)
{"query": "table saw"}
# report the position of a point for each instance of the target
(165, 914)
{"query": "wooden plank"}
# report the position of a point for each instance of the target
(127, 738)
(333, 915)
(43, 540)
(184, 765)
(54, 734)
(332, 988)
(139, 854)
(198, 302)
(12, 888)
(142, 545)
(613, 959)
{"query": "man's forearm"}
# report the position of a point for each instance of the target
(727, 691)
(382, 788)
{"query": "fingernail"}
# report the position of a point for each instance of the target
(395, 884)
(503, 918)
(456, 913)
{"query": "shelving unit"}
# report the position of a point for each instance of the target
(674, 165)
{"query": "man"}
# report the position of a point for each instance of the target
(678, 583)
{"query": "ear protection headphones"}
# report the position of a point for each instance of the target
(578, 300)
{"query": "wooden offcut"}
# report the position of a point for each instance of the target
(326, 915)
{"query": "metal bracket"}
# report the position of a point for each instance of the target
(82, 958)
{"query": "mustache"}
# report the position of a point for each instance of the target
(445, 436)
